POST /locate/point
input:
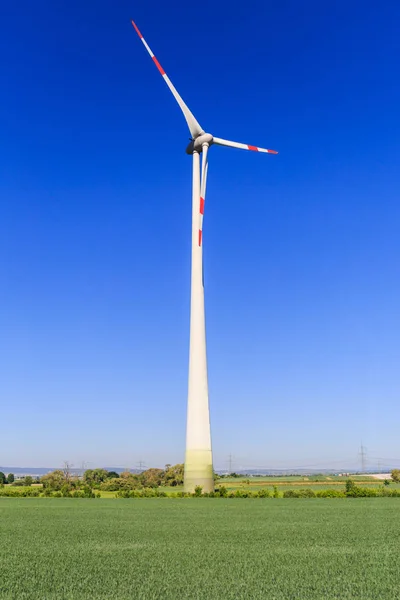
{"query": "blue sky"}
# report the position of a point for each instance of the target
(302, 267)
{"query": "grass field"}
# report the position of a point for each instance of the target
(199, 549)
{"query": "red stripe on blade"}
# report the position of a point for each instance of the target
(201, 205)
(272, 152)
(253, 148)
(136, 29)
(159, 67)
(200, 236)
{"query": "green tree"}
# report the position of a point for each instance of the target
(94, 477)
(173, 475)
(10, 478)
(152, 477)
(112, 475)
(121, 483)
(28, 480)
(3, 478)
(54, 480)
(396, 475)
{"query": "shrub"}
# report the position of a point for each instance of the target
(198, 491)
(263, 494)
(362, 492)
(304, 493)
(275, 493)
(88, 492)
(65, 491)
(290, 494)
(222, 491)
(13, 493)
(395, 474)
(77, 494)
(330, 494)
(129, 482)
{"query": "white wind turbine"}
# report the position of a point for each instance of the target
(198, 459)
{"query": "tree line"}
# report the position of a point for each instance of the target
(101, 479)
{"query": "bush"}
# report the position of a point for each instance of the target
(198, 491)
(350, 485)
(330, 494)
(263, 494)
(65, 491)
(290, 494)
(363, 492)
(304, 493)
(395, 474)
(391, 493)
(114, 484)
(145, 493)
(13, 493)
(222, 492)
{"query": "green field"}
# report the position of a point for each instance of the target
(199, 549)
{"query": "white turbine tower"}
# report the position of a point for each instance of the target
(198, 459)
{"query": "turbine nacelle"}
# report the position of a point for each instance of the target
(196, 145)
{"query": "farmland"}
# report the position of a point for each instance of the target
(199, 549)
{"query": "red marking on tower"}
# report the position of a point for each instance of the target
(201, 205)
(159, 67)
(137, 29)
(200, 236)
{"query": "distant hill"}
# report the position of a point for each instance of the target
(39, 471)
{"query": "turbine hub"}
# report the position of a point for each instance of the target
(196, 145)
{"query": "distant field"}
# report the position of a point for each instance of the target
(292, 482)
(199, 549)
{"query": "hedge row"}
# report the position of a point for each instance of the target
(35, 493)
(355, 492)
(352, 491)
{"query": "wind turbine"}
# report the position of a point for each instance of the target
(198, 459)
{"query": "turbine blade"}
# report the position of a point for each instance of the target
(221, 142)
(194, 127)
(204, 171)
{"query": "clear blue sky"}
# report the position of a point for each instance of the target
(302, 266)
